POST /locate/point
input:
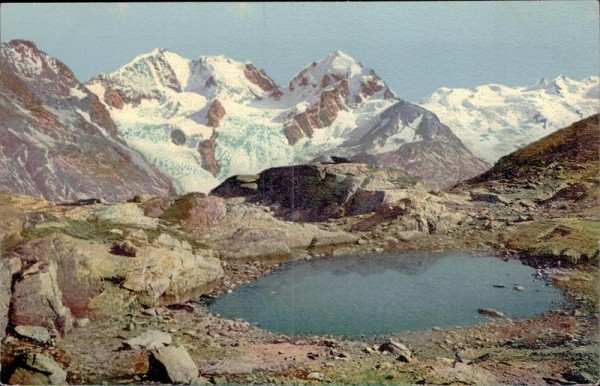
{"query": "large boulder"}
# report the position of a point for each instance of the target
(418, 212)
(172, 364)
(317, 192)
(86, 270)
(170, 275)
(37, 369)
(37, 300)
(8, 268)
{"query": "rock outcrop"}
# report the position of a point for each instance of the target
(262, 80)
(37, 369)
(37, 300)
(317, 192)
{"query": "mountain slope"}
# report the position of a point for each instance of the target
(543, 200)
(558, 172)
(571, 148)
(202, 121)
(493, 120)
(57, 140)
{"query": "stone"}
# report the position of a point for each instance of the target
(151, 339)
(407, 235)
(126, 248)
(580, 377)
(125, 214)
(37, 300)
(492, 198)
(200, 380)
(172, 363)
(316, 376)
(172, 275)
(491, 313)
(385, 366)
(445, 371)
(167, 240)
(370, 350)
(397, 348)
(38, 369)
(8, 268)
(35, 333)
(219, 380)
(82, 322)
(138, 235)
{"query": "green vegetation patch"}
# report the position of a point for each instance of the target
(568, 241)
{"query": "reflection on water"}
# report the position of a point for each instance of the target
(383, 293)
(375, 263)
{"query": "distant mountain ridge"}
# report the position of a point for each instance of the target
(202, 121)
(57, 140)
(494, 120)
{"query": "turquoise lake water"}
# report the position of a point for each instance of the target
(376, 294)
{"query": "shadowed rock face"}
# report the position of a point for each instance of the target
(59, 141)
(312, 192)
(320, 115)
(215, 113)
(262, 80)
(206, 149)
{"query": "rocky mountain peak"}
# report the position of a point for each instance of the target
(229, 79)
(339, 70)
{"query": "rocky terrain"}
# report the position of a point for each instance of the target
(59, 141)
(95, 292)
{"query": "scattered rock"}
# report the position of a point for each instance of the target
(397, 348)
(173, 364)
(35, 333)
(218, 380)
(316, 376)
(580, 377)
(37, 369)
(82, 322)
(200, 380)
(151, 339)
(126, 248)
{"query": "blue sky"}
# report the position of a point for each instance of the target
(415, 47)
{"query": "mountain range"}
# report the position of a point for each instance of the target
(163, 123)
(201, 121)
(494, 120)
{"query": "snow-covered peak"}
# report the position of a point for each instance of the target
(554, 85)
(150, 75)
(340, 70)
(495, 119)
(228, 79)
